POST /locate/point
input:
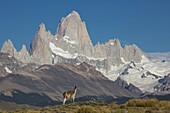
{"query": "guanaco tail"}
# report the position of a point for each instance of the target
(69, 94)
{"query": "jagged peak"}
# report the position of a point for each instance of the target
(41, 28)
(23, 50)
(72, 17)
(24, 47)
(98, 43)
(114, 41)
(132, 46)
(8, 47)
(74, 14)
(49, 32)
(8, 42)
(42, 25)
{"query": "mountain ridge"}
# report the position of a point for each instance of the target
(71, 44)
(48, 82)
(72, 32)
(68, 57)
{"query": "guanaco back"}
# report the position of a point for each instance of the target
(69, 94)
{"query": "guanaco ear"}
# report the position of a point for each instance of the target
(75, 87)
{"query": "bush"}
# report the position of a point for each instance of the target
(114, 106)
(92, 103)
(151, 103)
(3, 111)
(86, 109)
(164, 104)
(142, 103)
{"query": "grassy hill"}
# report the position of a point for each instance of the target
(132, 106)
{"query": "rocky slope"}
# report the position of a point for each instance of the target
(72, 44)
(127, 86)
(164, 85)
(145, 75)
(44, 83)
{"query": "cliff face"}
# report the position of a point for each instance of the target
(72, 43)
(8, 47)
(73, 33)
(39, 48)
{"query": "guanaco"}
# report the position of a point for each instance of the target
(69, 94)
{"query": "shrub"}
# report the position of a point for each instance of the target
(164, 104)
(114, 106)
(86, 109)
(92, 103)
(104, 111)
(142, 103)
(3, 111)
(151, 103)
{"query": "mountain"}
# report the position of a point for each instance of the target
(145, 75)
(56, 62)
(160, 56)
(73, 32)
(161, 90)
(164, 85)
(44, 84)
(8, 47)
(72, 43)
(127, 86)
(40, 46)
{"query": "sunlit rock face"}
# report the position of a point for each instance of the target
(72, 43)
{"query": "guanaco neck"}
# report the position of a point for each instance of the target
(75, 90)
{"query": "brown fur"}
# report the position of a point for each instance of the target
(69, 94)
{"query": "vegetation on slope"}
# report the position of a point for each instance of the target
(132, 106)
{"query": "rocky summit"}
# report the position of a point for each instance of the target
(56, 62)
(72, 43)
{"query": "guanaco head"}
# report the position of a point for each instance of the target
(75, 87)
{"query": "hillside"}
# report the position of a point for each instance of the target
(132, 106)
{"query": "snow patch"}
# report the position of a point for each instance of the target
(144, 59)
(78, 63)
(69, 40)
(112, 43)
(69, 15)
(61, 52)
(72, 46)
(8, 70)
(9, 56)
(92, 58)
(55, 37)
(53, 56)
(136, 72)
(123, 60)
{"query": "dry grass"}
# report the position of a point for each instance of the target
(132, 106)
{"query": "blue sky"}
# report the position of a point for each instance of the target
(145, 23)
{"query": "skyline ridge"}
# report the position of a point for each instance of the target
(144, 23)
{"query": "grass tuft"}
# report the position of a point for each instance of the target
(132, 106)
